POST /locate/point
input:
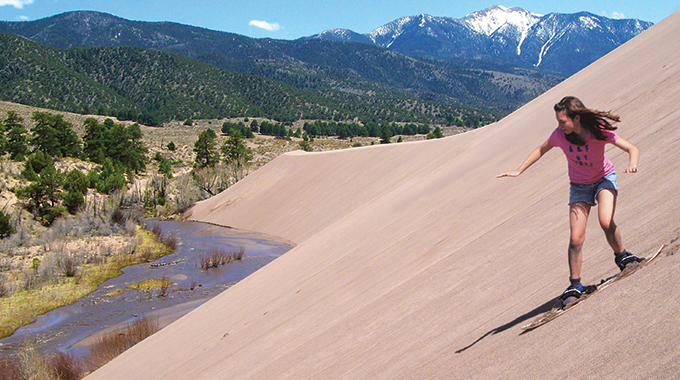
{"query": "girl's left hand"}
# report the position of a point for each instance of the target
(631, 169)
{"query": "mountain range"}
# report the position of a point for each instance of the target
(153, 87)
(403, 71)
(563, 43)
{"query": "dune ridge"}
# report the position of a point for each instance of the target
(414, 261)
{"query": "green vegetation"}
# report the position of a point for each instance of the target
(6, 227)
(122, 145)
(151, 284)
(228, 127)
(206, 152)
(43, 196)
(436, 134)
(115, 343)
(15, 142)
(152, 87)
(64, 282)
(54, 136)
(50, 192)
(236, 155)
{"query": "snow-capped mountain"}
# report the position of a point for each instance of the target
(490, 20)
(564, 43)
(344, 35)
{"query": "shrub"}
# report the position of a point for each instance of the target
(219, 257)
(39, 161)
(304, 145)
(171, 146)
(117, 342)
(74, 201)
(6, 227)
(164, 286)
(157, 230)
(130, 227)
(165, 167)
(216, 258)
(28, 173)
(113, 182)
(10, 368)
(77, 181)
(92, 178)
(238, 255)
(4, 292)
(171, 242)
(29, 280)
(66, 367)
(118, 216)
(68, 266)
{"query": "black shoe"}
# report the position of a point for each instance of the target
(625, 258)
(571, 295)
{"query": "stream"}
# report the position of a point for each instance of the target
(75, 327)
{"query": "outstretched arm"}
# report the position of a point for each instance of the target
(533, 157)
(633, 154)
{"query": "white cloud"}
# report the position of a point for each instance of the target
(16, 3)
(263, 25)
(23, 18)
(617, 16)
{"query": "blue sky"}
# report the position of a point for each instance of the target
(299, 18)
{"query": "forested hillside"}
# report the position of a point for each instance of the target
(153, 87)
(329, 68)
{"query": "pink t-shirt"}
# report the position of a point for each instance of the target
(587, 163)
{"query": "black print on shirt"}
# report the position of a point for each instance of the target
(579, 149)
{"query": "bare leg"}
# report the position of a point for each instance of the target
(578, 219)
(606, 200)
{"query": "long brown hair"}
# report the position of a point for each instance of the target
(592, 120)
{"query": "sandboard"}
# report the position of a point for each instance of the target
(590, 291)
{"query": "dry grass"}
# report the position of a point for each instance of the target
(24, 305)
(110, 346)
(171, 242)
(219, 257)
(66, 367)
(29, 363)
(10, 369)
(157, 230)
(150, 284)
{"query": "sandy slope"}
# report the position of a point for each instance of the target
(414, 261)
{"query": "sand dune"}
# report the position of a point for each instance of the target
(413, 261)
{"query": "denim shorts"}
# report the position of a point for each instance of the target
(588, 193)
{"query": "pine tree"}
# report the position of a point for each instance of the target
(16, 136)
(124, 146)
(385, 135)
(44, 136)
(165, 167)
(206, 153)
(438, 133)
(94, 140)
(236, 155)
(43, 196)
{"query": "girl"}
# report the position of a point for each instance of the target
(582, 134)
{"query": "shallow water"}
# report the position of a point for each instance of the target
(73, 328)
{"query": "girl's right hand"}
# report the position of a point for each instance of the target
(514, 173)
